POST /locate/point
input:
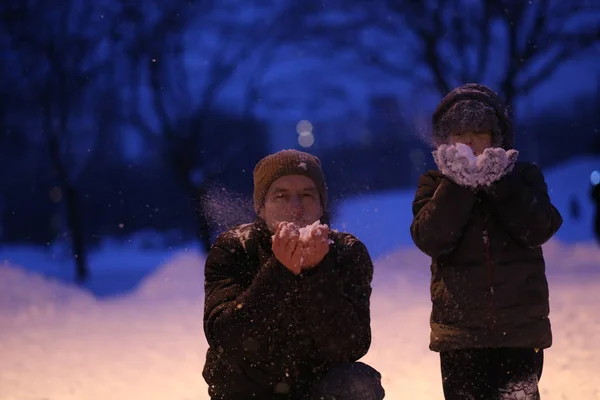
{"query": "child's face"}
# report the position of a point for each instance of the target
(477, 141)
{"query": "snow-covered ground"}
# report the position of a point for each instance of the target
(60, 342)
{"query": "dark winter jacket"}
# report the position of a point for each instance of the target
(271, 331)
(488, 285)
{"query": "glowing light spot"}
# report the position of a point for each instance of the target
(304, 127)
(595, 177)
(306, 140)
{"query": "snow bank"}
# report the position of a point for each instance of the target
(181, 276)
(59, 343)
(26, 295)
(150, 345)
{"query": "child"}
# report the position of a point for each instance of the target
(483, 218)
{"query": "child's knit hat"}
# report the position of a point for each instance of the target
(476, 108)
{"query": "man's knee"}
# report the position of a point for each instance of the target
(351, 381)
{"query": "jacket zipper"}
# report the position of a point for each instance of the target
(490, 281)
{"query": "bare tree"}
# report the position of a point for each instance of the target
(181, 97)
(61, 49)
(512, 45)
(517, 44)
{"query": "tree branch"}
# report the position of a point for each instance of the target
(549, 67)
(484, 38)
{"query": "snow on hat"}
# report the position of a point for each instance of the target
(476, 108)
(287, 162)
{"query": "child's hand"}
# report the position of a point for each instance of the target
(456, 162)
(493, 164)
(512, 159)
(460, 165)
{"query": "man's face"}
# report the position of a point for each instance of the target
(291, 198)
(477, 141)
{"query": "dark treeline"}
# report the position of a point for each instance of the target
(120, 197)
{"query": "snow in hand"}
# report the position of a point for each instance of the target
(309, 231)
(465, 151)
(305, 233)
(461, 165)
(287, 228)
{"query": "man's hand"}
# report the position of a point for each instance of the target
(286, 247)
(315, 248)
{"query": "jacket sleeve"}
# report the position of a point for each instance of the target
(441, 213)
(336, 303)
(234, 310)
(521, 204)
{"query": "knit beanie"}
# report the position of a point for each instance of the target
(287, 162)
(476, 108)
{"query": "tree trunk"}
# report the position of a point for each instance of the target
(72, 204)
(74, 217)
(75, 224)
(182, 171)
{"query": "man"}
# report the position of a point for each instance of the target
(286, 300)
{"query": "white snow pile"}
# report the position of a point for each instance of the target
(26, 291)
(182, 276)
(147, 346)
(59, 343)
(572, 258)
